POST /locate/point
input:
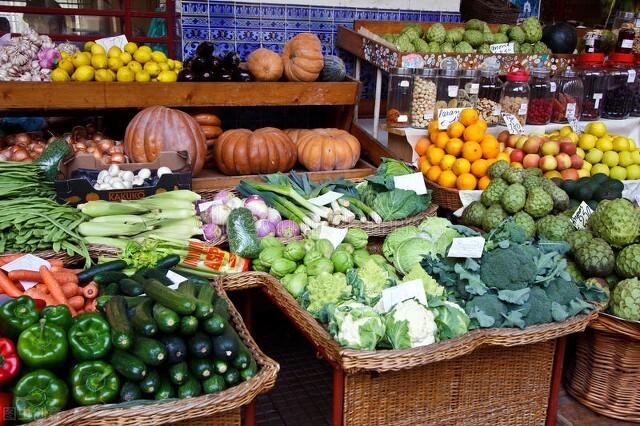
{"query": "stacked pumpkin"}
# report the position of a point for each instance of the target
(210, 125)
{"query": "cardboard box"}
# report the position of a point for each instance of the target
(74, 187)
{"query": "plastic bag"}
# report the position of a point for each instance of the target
(241, 233)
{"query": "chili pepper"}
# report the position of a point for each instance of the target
(57, 315)
(39, 394)
(94, 382)
(43, 345)
(5, 407)
(16, 315)
(89, 336)
(9, 361)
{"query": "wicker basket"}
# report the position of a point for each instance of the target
(59, 255)
(447, 198)
(490, 11)
(216, 409)
(604, 373)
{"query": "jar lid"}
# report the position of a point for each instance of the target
(624, 58)
(539, 72)
(469, 73)
(400, 71)
(518, 76)
(591, 58)
(569, 72)
(425, 72)
(449, 67)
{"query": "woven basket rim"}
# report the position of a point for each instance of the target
(608, 323)
(160, 412)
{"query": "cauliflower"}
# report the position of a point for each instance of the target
(410, 324)
(323, 290)
(355, 325)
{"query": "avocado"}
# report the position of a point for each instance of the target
(584, 193)
(569, 187)
(609, 190)
(600, 178)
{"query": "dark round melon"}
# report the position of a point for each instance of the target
(560, 37)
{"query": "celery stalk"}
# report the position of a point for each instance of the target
(180, 194)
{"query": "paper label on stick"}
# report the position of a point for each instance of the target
(571, 111)
(334, 235)
(109, 42)
(411, 182)
(409, 290)
(452, 91)
(581, 216)
(447, 116)
(175, 279)
(632, 76)
(325, 199)
(502, 48)
(553, 87)
(513, 124)
(596, 98)
(27, 262)
(467, 197)
(467, 247)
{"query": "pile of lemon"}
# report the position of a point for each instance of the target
(132, 63)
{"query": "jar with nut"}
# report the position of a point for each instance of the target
(567, 103)
(448, 84)
(468, 88)
(399, 97)
(489, 93)
(515, 95)
(423, 101)
(540, 97)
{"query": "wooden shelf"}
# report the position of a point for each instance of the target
(102, 95)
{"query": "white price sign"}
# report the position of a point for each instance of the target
(325, 199)
(447, 116)
(334, 235)
(108, 42)
(513, 124)
(409, 290)
(502, 48)
(467, 247)
(27, 262)
(581, 216)
(411, 182)
(571, 111)
(452, 91)
(175, 279)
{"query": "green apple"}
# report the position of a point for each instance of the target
(593, 156)
(625, 159)
(620, 144)
(618, 172)
(611, 158)
(600, 168)
(636, 156)
(633, 172)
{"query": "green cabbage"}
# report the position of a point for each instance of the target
(355, 325)
(357, 238)
(397, 236)
(451, 319)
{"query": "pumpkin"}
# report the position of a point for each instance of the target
(243, 152)
(328, 149)
(157, 129)
(302, 58)
(265, 65)
(334, 69)
(205, 119)
(295, 134)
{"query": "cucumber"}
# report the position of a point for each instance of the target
(179, 373)
(199, 345)
(188, 288)
(250, 371)
(168, 262)
(130, 391)
(142, 319)
(242, 359)
(150, 383)
(150, 351)
(130, 287)
(110, 289)
(226, 345)
(188, 325)
(165, 390)
(122, 335)
(193, 278)
(169, 298)
(167, 320)
(87, 275)
(231, 377)
(201, 368)
(157, 274)
(104, 278)
(214, 384)
(213, 325)
(131, 302)
(190, 389)
(175, 347)
(220, 367)
(128, 365)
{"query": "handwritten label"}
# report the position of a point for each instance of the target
(452, 91)
(513, 124)
(402, 118)
(109, 42)
(325, 199)
(502, 48)
(28, 262)
(447, 116)
(627, 44)
(467, 247)
(596, 98)
(632, 76)
(411, 289)
(334, 235)
(474, 89)
(571, 111)
(523, 109)
(411, 182)
(497, 109)
(575, 127)
(467, 197)
(428, 115)
(553, 87)
(581, 216)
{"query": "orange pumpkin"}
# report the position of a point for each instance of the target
(265, 65)
(328, 149)
(157, 129)
(295, 134)
(243, 152)
(302, 58)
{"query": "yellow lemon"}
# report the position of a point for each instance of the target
(625, 159)
(130, 47)
(125, 57)
(67, 65)
(83, 73)
(604, 144)
(633, 172)
(99, 61)
(171, 63)
(163, 66)
(115, 64)
(81, 58)
(152, 68)
(59, 74)
(125, 74)
(65, 55)
(146, 49)
(134, 66)
(168, 76)
(114, 52)
(587, 141)
(565, 131)
(88, 45)
(96, 49)
(142, 76)
(620, 144)
(597, 129)
(177, 65)
(636, 156)
(158, 56)
(113, 75)
(142, 56)
(104, 75)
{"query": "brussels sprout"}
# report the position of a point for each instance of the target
(357, 238)
(324, 247)
(256, 265)
(294, 251)
(301, 269)
(281, 267)
(346, 247)
(270, 241)
(318, 266)
(360, 257)
(311, 256)
(342, 260)
(268, 255)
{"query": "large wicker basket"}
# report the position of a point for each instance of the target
(604, 372)
(491, 11)
(211, 410)
(447, 198)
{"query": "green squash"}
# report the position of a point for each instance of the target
(334, 69)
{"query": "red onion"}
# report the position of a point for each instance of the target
(273, 216)
(257, 206)
(265, 228)
(223, 196)
(211, 232)
(287, 229)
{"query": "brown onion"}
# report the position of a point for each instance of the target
(23, 138)
(38, 149)
(105, 144)
(92, 149)
(19, 154)
(106, 159)
(97, 154)
(117, 158)
(116, 148)
(80, 145)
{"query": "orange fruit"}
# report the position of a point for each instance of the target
(490, 147)
(472, 151)
(484, 182)
(466, 181)
(479, 168)
(447, 162)
(422, 145)
(441, 140)
(434, 173)
(473, 133)
(468, 116)
(455, 129)
(424, 165)
(434, 155)
(433, 126)
(504, 156)
(461, 166)
(447, 179)
(482, 124)
(454, 146)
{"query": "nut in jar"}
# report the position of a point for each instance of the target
(489, 111)
(468, 96)
(516, 105)
(423, 102)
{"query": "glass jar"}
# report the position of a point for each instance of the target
(594, 81)
(489, 94)
(423, 101)
(541, 97)
(515, 95)
(635, 110)
(621, 80)
(448, 84)
(626, 35)
(622, 17)
(567, 103)
(468, 88)
(399, 97)
(593, 41)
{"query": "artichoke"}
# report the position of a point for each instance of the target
(436, 33)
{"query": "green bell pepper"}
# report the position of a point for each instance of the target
(94, 382)
(59, 315)
(43, 345)
(39, 394)
(89, 337)
(17, 315)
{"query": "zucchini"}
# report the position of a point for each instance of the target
(204, 301)
(250, 371)
(226, 345)
(130, 287)
(157, 274)
(203, 309)
(213, 325)
(168, 262)
(179, 373)
(128, 365)
(110, 289)
(175, 347)
(171, 299)
(142, 319)
(207, 294)
(193, 278)
(107, 277)
(165, 390)
(221, 308)
(220, 367)
(87, 275)
(150, 383)
(150, 351)
(132, 302)
(188, 288)
(167, 320)
(121, 331)
(190, 389)
(214, 384)
(242, 359)
(199, 345)
(188, 325)
(231, 377)
(130, 391)
(201, 368)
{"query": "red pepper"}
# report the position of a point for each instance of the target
(6, 407)
(9, 361)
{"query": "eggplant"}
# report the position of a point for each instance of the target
(187, 63)
(186, 75)
(226, 76)
(241, 75)
(231, 60)
(204, 50)
(200, 64)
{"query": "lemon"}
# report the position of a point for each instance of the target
(134, 66)
(565, 131)
(113, 75)
(620, 144)
(114, 52)
(177, 65)
(130, 47)
(610, 158)
(83, 73)
(152, 68)
(88, 45)
(146, 49)
(99, 61)
(600, 168)
(125, 57)
(96, 49)
(625, 159)
(65, 55)
(636, 156)
(67, 65)
(596, 128)
(158, 56)
(104, 75)
(633, 172)
(604, 144)
(142, 55)
(168, 76)
(81, 58)
(115, 64)
(171, 63)
(163, 66)
(142, 76)
(618, 172)
(59, 74)
(594, 156)
(587, 141)
(125, 74)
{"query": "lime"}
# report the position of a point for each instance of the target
(593, 156)
(626, 159)
(633, 172)
(610, 158)
(600, 168)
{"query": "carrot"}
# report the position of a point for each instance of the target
(90, 290)
(90, 306)
(70, 289)
(81, 311)
(42, 287)
(56, 268)
(10, 258)
(8, 287)
(56, 262)
(76, 302)
(37, 294)
(54, 286)
(26, 275)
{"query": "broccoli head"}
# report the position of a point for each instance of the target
(511, 268)
(486, 311)
(562, 291)
(539, 307)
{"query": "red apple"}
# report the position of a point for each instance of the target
(532, 145)
(550, 148)
(576, 161)
(565, 139)
(548, 163)
(569, 174)
(516, 156)
(568, 148)
(563, 160)
(530, 161)
(512, 140)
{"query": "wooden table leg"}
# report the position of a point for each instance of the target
(556, 379)
(338, 396)
(250, 414)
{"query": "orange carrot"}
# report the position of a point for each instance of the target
(76, 302)
(81, 311)
(10, 258)
(70, 289)
(42, 287)
(90, 306)
(8, 287)
(90, 290)
(37, 294)
(56, 262)
(54, 287)
(26, 275)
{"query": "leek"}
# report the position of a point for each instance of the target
(288, 191)
(180, 194)
(107, 229)
(106, 208)
(118, 243)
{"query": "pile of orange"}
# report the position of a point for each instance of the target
(460, 156)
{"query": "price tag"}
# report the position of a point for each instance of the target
(513, 124)
(325, 199)
(447, 116)
(428, 115)
(175, 279)
(502, 48)
(632, 76)
(467, 247)
(497, 110)
(27, 262)
(553, 87)
(404, 83)
(475, 89)
(109, 42)
(571, 111)
(467, 197)
(452, 91)
(403, 118)
(334, 235)
(202, 207)
(411, 289)
(575, 127)
(627, 44)
(596, 98)
(411, 182)
(523, 109)
(581, 216)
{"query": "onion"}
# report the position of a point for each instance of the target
(80, 146)
(23, 138)
(273, 216)
(234, 203)
(97, 154)
(218, 214)
(287, 229)
(91, 149)
(105, 145)
(117, 157)
(211, 232)
(223, 196)
(19, 154)
(257, 206)
(115, 149)
(265, 228)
